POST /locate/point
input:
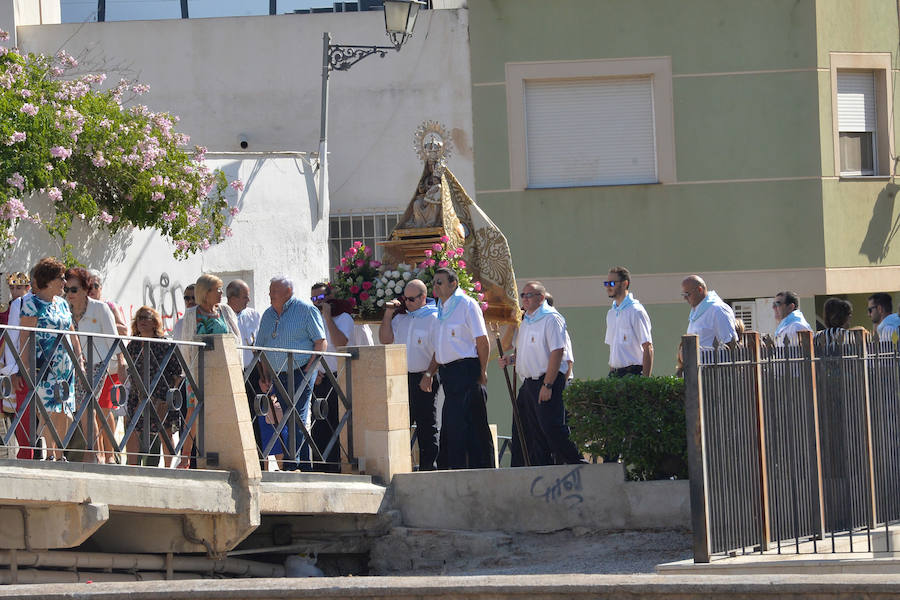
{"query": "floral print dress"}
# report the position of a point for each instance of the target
(52, 315)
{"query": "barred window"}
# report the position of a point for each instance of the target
(367, 228)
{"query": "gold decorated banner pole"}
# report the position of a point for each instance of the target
(512, 398)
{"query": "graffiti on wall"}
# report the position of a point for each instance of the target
(166, 296)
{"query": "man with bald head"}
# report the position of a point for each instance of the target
(710, 318)
(415, 328)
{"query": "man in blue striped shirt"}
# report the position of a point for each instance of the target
(293, 324)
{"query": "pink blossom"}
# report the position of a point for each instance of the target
(181, 245)
(98, 160)
(237, 184)
(462, 264)
(227, 232)
(364, 296)
(376, 263)
(429, 262)
(29, 109)
(480, 296)
(155, 196)
(54, 194)
(17, 181)
(105, 217)
(357, 244)
(352, 301)
(60, 152)
(359, 262)
(460, 251)
(17, 136)
(477, 286)
(4, 35)
(170, 216)
(484, 306)
(437, 247)
(233, 211)
(443, 264)
(368, 251)
(48, 166)
(445, 239)
(428, 253)
(343, 260)
(354, 289)
(366, 285)
(204, 245)
(26, 93)
(13, 209)
(346, 269)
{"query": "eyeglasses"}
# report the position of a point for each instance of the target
(777, 303)
(529, 294)
(145, 318)
(95, 286)
(71, 290)
(686, 294)
(318, 298)
(870, 309)
(439, 282)
(188, 298)
(611, 283)
(414, 298)
(218, 290)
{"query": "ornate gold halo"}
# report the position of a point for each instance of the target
(432, 142)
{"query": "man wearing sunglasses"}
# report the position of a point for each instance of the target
(627, 328)
(461, 351)
(540, 358)
(415, 328)
(790, 320)
(710, 318)
(881, 311)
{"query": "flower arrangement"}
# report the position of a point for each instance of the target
(442, 255)
(391, 283)
(355, 279)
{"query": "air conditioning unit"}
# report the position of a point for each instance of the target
(745, 310)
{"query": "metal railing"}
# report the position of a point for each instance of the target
(312, 424)
(156, 375)
(795, 448)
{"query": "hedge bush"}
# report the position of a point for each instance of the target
(640, 419)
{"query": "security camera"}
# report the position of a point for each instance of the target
(243, 141)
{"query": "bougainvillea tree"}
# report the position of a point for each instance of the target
(99, 156)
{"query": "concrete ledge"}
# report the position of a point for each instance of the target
(328, 496)
(536, 499)
(570, 586)
(756, 565)
(120, 487)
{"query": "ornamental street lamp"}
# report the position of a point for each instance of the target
(399, 21)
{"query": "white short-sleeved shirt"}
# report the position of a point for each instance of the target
(535, 341)
(627, 330)
(15, 310)
(98, 318)
(717, 322)
(418, 335)
(889, 328)
(344, 323)
(455, 336)
(790, 332)
(569, 356)
(248, 324)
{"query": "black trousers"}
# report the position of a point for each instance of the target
(546, 432)
(322, 431)
(251, 386)
(421, 412)
(629, 370)
(466, 441)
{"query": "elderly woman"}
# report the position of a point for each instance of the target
(47, 310)
(147, 323)
(93, 316)
(210, 316)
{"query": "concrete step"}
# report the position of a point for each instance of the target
(298, 493)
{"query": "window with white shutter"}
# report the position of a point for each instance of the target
(857, 122)
(590, 132)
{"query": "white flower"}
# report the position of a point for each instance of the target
(395, 274)
(404, 267)
(379, 292)
(398, 289)
(384, 280)
(380, 301)
(378, 284)
(406, 275)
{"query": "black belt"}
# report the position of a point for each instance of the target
(458, 360)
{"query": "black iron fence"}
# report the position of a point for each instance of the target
(795, 448)
(70, 396)
(302, 412)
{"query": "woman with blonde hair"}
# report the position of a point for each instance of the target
(211, 316)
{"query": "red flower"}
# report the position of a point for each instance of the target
(462, 264)
(359, 262)
(352, 301)
(364, 296)
(366, 285)
(345, 269)
(443, 263)
(354, 289)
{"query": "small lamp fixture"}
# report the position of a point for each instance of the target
(400, 19)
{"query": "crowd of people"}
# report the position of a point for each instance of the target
(447, 346)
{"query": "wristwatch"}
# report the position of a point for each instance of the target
(549, 386)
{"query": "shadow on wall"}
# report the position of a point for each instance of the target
(882, 226)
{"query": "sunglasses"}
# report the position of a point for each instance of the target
(318, 298)
(610, 283)
(71, 290)
(191, 298)
(95, 286)
(414, 298)
(529, 294)
(145, 318)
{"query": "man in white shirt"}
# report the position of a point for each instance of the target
(338, 331)
(461, 351)
(19, 289)
(710, 318)
(886, 321)
(237, 294)
(540, 360)
(190, 301)
(415, 328)
(627, 328)
(790, 320)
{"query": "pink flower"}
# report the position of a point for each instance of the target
(445, 239)
(354, 289)
(480, 296)
(346, 269)
(352, 301)
(237, 184)
(429, 262)
(462, 264)
(484, 306)
(105, 217)
(477, 286)
(366, 285)
(364, 296)
(443, 263)
(17, 181)
(376, 263)
(460, 251)
(60, 152)
(368, 251)
(4, 35)
(170, 216)
(233, 211)
(437, 247)
(343, 260)
(54, 194)
(359, 262)
(17, 136)
(428, 253)
(357, 244)
(29, 109)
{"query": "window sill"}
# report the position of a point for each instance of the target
(864, 177)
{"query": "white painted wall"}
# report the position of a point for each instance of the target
(275, 233)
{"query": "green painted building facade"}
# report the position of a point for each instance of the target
(748, 191)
